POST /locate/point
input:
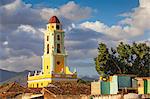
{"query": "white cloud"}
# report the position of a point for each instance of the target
(34, 33)
(135, 24)
(70, 11)
(13, 6)
(114, 31)
(96, 26)
(26, 28)
(21, 37)
(145, 3)
(5, 43)
(21, 63)
(22, 40)
(73, 11)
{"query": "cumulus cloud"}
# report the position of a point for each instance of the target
(21, 63)
(144, 3)
(98, 26)
(21, 37)
(21, 27)
(70, 11)
(135, 23)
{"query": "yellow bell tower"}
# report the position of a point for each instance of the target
(54, 65)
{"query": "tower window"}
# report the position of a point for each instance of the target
(58, 63)
(52, 26)
(58, 37)
(57, 27)
(47, 48)
(47, 38)
(47, 67)
(58, 48)
(37, 85)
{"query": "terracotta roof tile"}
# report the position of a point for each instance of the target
(67, 88)
(36, 90)
(14, 87)
(54, 19)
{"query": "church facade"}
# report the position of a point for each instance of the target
(54, 59)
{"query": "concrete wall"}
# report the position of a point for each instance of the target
(143, 85)
(134, 83)
(140, 86)
(95, 88)
(114, 85)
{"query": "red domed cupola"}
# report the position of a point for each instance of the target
(54, 19)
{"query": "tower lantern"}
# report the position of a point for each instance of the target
(54, 59)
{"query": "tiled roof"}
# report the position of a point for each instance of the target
(12, 90)
(36, 90)
(14, 87)
(68, 88)
(54, 19)
(9, 94)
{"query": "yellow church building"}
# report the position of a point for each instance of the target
(54, 59)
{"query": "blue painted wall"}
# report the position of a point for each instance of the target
(105, 87)
(124, 81)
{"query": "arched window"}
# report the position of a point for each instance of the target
(37, 85)
(58, 48)
(47, 38)
(47, 67)
(47, 48)
(57, 27)
(58, 37)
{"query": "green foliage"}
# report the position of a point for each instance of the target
(81, 81)
(102, 58)
(124, 59)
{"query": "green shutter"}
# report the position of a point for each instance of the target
(145, 86)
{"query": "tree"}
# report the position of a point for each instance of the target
(101, 59)
(124, 59)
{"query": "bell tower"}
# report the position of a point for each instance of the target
(54, 57)
(54, 65)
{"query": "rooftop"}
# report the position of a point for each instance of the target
(68, 88)
(13, 89)
(54, 19)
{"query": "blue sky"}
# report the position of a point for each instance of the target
(105, 10)
(86, 23)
